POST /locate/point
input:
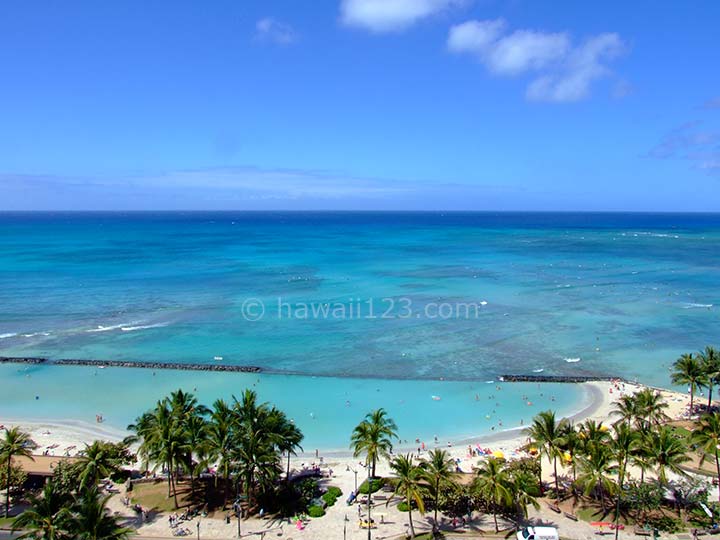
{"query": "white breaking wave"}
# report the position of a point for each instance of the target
(37, 334)
(142, 327)
(100, 328)
(692, 305)
(8, 335)
(539, 370)
(654, 234)
(572, 360)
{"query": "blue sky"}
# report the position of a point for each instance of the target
(360, 104)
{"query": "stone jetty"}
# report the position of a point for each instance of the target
(130, 364)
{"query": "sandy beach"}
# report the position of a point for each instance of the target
(340, 470)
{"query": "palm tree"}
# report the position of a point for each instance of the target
(254, 441)
(641, 456)
(196, 433)
(184, 405)
(651, 407)
(626, 407)
(171, 448)
(547, 433)
(710, 361)
(596, 468)
(439, 471)
(95, 463)
(572, 444)
(623, 445)
(290, 439)
(92, 521)
(494, 485)
(593, 434)
(141, 429)
(48, 515)
(374, 437)
(220, 440)
(409, 485)
(16, 443)
(643, 409)
(667, 453)
(707, 436)
(163, 441)
(525, 491)
(689, 370)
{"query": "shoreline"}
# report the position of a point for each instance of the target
(596, 404)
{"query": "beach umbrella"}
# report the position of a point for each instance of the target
(498, 454)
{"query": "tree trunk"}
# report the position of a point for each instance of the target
(497, 529)
(557, 481)
(710, 388)
(7, 494)
(621, 474)
(287, 475)
(717, 467)
(225, 482)
(373, 470)
(172, 479)
(169, 469)
(437, 500)
(692, 396)
(412, 527)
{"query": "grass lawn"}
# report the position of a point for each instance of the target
(153, 496)
(593, 512)
(5, 523)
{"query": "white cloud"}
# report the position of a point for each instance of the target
(564, 72)
(247, 188)
(475, 36)
(584, 65)
(526, 50)
(712, 103)
(269, 29)
(390, 15)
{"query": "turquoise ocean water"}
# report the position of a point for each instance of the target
(457, 299)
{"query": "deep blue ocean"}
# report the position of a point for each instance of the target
(406, 306)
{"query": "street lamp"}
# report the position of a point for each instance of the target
(198, 529)
(349, 468)
(369, 522)
(239, 515)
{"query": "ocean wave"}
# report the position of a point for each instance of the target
(653, 234)
(693, 305)
(8, 335)
(143, 327)
(539, 370)
(35, 334)
(101, 328)
(572, 360)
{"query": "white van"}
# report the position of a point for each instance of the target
(538, 533)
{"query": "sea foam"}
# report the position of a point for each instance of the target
(142, 327)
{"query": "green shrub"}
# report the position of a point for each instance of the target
(336, 491)
(375, 485)
(329, 498)
(403, 506)
(316, 511)
(664, 523)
